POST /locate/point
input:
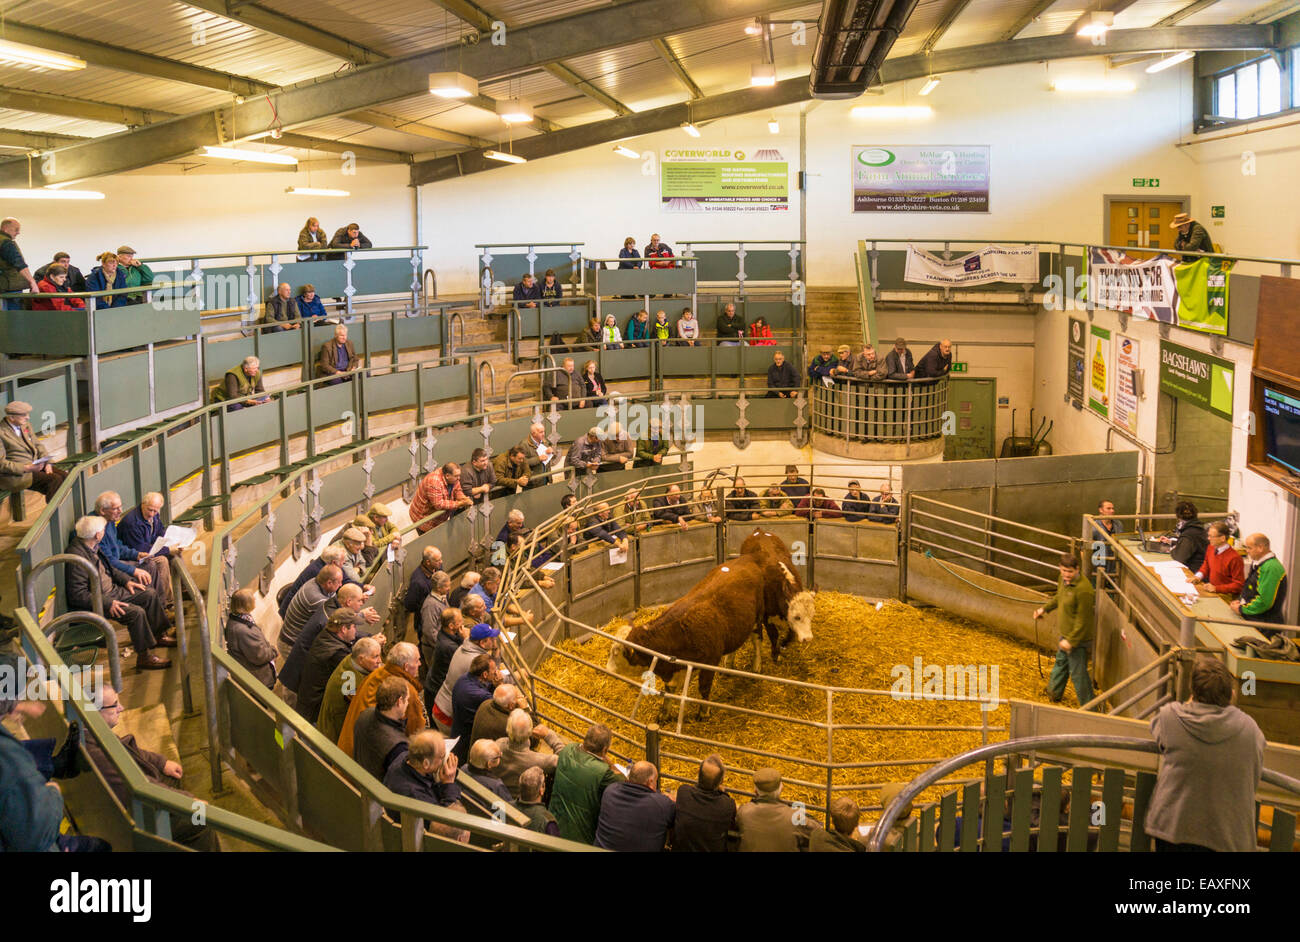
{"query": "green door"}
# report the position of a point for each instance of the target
(973, 403)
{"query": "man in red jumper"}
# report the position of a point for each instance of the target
(439, 491)
(1222, 573)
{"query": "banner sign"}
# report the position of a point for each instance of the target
(724, 179)
(1077, 359)
(1099, 370)
(1013, 263)
(1203, 380)
(1192, 295)
(918, 179)
(1127, 364)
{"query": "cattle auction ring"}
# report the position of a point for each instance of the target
(880, 692)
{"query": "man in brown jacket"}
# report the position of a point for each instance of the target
(403, 661)
(767, 824)
(25, 464)
(337, 356)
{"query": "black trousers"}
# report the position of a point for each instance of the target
(47, 482)
(144, 618)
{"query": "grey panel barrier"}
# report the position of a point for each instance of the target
(671, 281)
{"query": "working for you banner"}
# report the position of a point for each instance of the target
(1017, 264)
(1192, 294)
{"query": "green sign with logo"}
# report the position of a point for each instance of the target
(958, 366)
(1199, 378)
(1146, 181)
(1217, 212)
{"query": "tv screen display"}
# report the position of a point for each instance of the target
(1282, 428)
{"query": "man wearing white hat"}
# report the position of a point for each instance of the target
(26, 464)
(1192, 236)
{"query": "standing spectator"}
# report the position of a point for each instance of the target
(380, 738)
(245, 641)
(551, 290)
(517, 752)
(742, 503)
(766, 823)
(307, 602)
(350, 237)
(311, 242)
(582, 773)
(281, 310)
(1076, 599)
(817, 506)
(864, 365)
(54, 280)
(541, 455)
(528, 799)
(585, 454)
(14, 273)
(671, 508)
(823, 366)
(705, 813)
(528, 292)
(1189, 537)
(483, 639)
(1191, 237)
(842, 836)
(458, 595)
(125, 601)
(332, 555)
(76, 281)
(1105, 525)
(884, 509)
(633, 511)
(794, 486)
(477, 478)
(652, 449)
(937, 361)
(1211, 757)
(337, 356)
(417, 590)
(450, 635)
(512, 470)
(403, 662)
(609, 333)
(429, 622)
(705, 504)
(438, 497)
(843, 363)
(26, 465)
(107, 276)
(1263, 597)
(618, 452)
(327, 649)
(565, 386)
(383, 530)
(899, 363)
(782, 380)
(426, 773)
(657, 253)
(688, 328)
(774, 503)
(1222, 572)
(472, 688)
(310, 308)
(634, 815)
(627, 252)
(856, 505)
(605, 528)
(661, 330)
(137, 272)
(731, 327)
(348, 677)
(243, 380)
(597, 393)
(760, 334)
(638, 329)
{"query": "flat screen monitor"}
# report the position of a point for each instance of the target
(1282, 427)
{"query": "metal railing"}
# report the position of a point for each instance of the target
(896, 412)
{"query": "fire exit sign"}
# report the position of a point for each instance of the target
(959, 366)
(1216, 212)
(1146, 181)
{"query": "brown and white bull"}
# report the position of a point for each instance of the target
(785, 599)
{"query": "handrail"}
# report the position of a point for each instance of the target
(190, 588)
(107, 293)
(27, 582)
(58, 625)
(537, 372)
(520, 245)
(478, 385)
(449, 340)
(36, 371)
(293, 251)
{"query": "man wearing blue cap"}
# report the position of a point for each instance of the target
(482, 640)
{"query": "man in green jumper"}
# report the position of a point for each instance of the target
(1076, 600)
(1263, 597)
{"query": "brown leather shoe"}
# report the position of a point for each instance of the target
(151, 662)
(166, 642)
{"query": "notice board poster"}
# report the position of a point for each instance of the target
(1127, 363)
(1077, 359)
(724, 180)
(1099, 360)
(910, 178)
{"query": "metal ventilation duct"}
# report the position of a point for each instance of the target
(854, 38)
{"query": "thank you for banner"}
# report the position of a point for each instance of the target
(1013, 263)
(1192, 295)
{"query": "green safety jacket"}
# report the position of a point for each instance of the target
(1260, 594)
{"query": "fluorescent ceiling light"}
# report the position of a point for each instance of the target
(773, 125)
(762, 74)
(256, 156)
(23, 54)
(885, 112)
(930, 85)
(452, 85)
(691, 129)
(1170, 61)
(753, 29)
(626, 152)
(504, 157)
(1098, 23)
(1093, 85)
(514, 111)
(315, 191)
(44, 194)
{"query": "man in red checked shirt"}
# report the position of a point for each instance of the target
(658, 251)
(440, 490)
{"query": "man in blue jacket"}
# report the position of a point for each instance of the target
(823, 365)
(151, 571)
(528, 291)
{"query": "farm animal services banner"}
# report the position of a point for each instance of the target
(909, 178)
(1126, 400)
(1192, 295)
(724, 180)
(1014, 263)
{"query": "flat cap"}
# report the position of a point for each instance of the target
(767, 779)
(18, 407)
(379, 510)
(125, 250)
(354, 533)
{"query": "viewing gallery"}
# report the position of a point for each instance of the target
(867, 426)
